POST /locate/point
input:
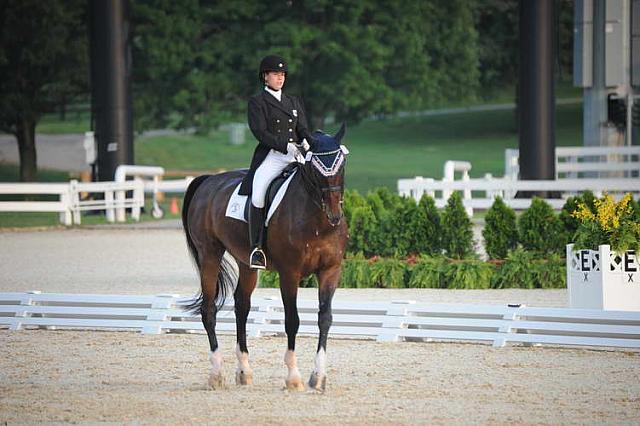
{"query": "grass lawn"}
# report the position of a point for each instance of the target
(381, 151)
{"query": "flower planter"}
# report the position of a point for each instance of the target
(602, 279)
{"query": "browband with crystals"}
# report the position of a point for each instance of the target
(324, 168)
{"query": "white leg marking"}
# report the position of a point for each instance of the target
(321, 363)
(292, 364)
(216, 362)
(243, 361)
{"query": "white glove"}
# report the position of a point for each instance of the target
(306, 145)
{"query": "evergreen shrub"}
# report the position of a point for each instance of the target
(525, 269)
(500, 232)
(539, 229)
(426, 228)
(457, 230)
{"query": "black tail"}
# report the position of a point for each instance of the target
(188, 196)
(227, 276)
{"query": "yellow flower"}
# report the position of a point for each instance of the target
(583, 213)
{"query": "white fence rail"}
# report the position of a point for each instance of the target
(114, 198)
(488, 188)
(61, 191)
(585, 161)
(406, 320)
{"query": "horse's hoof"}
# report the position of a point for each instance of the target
(243, 378)
(216, 381)
(318, 383)
(295, 384)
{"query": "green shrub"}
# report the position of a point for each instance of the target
(524, 269)
(426, 228)
(356, 272)
(467, 274)
(351, 200)
(388, 273)
(457, 230)
(500, 231)
(402, 231)
(539, 228)
(363, 228)
(428, 272)
(271, 279)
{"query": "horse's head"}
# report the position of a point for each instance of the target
(324, 168)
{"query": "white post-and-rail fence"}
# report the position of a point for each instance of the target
(585, 161)
(382, 321)
(112, 197)
(577, 169)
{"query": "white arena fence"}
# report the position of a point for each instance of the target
(386, 322)
(585, 161)
(70, 199)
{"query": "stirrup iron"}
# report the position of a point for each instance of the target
(257, 259)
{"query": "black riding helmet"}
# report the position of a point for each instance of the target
(271, 63)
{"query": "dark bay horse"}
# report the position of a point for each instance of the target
(306, 235)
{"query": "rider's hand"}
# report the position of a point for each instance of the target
(293, 149)
(305, 145)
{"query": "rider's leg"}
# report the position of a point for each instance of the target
(271, 167)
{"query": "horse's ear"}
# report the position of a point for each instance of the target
(340, 133)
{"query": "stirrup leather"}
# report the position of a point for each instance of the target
(257, 259)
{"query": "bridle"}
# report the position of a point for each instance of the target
(336, 167)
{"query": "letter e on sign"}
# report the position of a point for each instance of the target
(584, 261)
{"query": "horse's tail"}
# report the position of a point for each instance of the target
(188, 196)
(227, 276)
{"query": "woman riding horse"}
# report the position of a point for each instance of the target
(306, 232)
(279, 124)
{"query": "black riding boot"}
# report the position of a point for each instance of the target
(257, 259)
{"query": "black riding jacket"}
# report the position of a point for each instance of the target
(274, 124)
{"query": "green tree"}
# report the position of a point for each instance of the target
(500, 232)
(539, 228)
(426, 228)
(457, 230)
(43, 64)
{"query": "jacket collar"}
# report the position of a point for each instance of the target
(283, 105)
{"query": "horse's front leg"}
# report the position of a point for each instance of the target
(289, 292)
(327, 283)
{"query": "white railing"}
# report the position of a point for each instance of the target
(155, 185)
(61, 191)
(382, 321)
(480, 193)
(70, 199)
(106, 200)
(585, 161)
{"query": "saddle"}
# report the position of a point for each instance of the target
(273, 188)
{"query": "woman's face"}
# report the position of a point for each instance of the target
(274, 79)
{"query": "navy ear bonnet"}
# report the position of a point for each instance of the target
(328, 155)
(324, 142)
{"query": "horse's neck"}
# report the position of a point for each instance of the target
(302, 204)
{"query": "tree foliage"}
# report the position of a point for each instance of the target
(43, 64)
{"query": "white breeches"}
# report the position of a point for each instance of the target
(273, 164)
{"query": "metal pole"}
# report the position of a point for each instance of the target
(111, 84)
(536, 88)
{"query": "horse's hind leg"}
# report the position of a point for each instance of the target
(327, 282)
(246, 284)
(210, 266)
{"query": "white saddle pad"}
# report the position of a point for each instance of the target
(235, 208)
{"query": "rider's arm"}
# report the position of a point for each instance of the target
(258, 125)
